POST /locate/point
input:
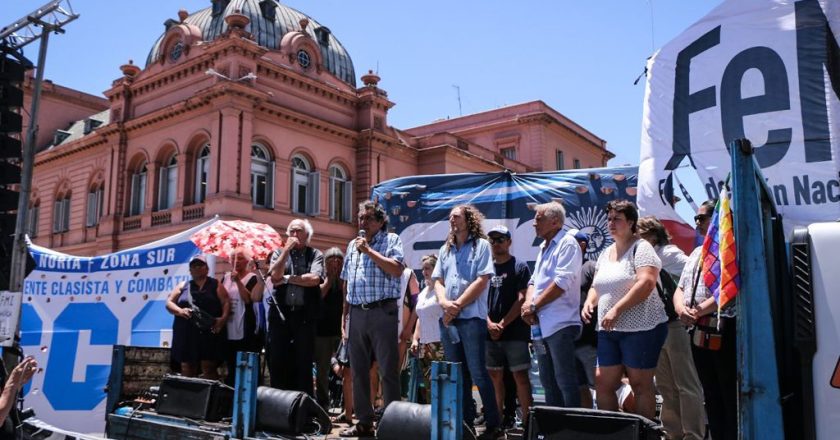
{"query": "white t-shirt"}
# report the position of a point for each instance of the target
(429, 313)
(404, 279)
(236, 319)
(673, 259)
(691, 276)
(614, 279)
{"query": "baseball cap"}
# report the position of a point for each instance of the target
(582, 236)
(501, 230)
(198, 258)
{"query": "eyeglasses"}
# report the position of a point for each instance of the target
(495, 240)
(700, 217)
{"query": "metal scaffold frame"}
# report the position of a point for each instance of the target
(51, 16)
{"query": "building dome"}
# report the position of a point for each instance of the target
(270, 20)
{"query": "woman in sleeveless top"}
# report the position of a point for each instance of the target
(192, 347)
(242, 324)
(426, 341)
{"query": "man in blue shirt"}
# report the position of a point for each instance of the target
(552, 302)
(461, 278)
(371, 271)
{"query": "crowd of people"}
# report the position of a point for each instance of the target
(612, 333)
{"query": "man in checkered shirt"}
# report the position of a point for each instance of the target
(372, 270)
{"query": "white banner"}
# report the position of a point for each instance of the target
(76, 308)
(765, 70)
(9, 316)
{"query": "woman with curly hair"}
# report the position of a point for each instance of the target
(461, 282)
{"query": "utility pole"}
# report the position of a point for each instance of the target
(38, 25)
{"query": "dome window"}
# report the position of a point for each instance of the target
(304, 59)
(323, 34)
(219, 7)
(268, 9)
(176, 51)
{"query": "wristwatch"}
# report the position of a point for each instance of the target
(533, 307)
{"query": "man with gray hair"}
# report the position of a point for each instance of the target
(296, 271)
(552, 304)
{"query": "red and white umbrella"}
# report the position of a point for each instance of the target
(225, 238)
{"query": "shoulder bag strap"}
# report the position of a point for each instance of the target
(696, 280)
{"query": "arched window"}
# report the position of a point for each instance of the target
(341, 195)
(305, 187)
(168, 183)
(61, 213)
(138, 190)
(202, 171)
(262, 177)
(34, 213)
(95, 203)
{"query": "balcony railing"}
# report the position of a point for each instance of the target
(193, 212)
(131, 223)
(161, 218)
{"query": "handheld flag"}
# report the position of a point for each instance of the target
(720, 256)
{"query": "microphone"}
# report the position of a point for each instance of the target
(362, 234)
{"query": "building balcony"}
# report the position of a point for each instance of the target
(161, 218)
(132, 223)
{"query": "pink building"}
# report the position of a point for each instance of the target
(249, 109)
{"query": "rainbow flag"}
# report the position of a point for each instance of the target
(720, 256)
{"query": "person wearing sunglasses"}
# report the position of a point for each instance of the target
(716, 368)
(508, 335)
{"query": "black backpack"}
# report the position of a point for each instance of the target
(665, 287)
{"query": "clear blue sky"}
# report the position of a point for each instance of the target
(579, 56)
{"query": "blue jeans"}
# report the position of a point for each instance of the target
(470, 351)
(558, 369)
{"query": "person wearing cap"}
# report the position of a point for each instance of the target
(296, 273)
(508, 335)
(191, 347)
(328, 333)
(586, 346)
(462, 280)
(552, 302)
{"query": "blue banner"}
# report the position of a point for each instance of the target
(418, 207)
(418, 210)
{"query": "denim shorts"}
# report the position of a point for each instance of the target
(516, 352)
(638, 350)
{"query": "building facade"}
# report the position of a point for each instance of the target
(250, 109)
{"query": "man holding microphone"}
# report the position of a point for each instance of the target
(371, 271)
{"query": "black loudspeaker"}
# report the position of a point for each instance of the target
(409, 421)
(290, 412)
(405, 421)
(194, 398)
(550, 423)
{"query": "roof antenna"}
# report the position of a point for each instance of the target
(458, 90)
